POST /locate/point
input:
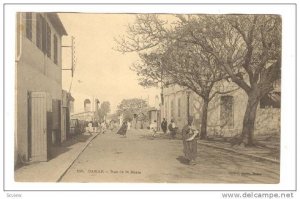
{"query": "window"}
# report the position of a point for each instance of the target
(172, 109)
(179, 107)
(39, 31)
(55, 49)
(226, 112)
(48, 41)
(43, 35)
(29, 25)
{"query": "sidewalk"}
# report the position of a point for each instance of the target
(269, 149)
(62, 158)
(259, 153)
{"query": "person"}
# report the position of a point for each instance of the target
(189, 133)
(164, 125)
(128, 125)
(90, 128)
(153, 128)
(172, 128)
(95, 126)
(123, 129)
(103, 127)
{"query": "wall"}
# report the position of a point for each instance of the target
(267, 120)
(34, 72)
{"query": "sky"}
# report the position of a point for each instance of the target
(100, 71)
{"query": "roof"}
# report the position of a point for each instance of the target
(57, 24)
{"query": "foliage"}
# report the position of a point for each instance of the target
(131, 107)
(103, 110)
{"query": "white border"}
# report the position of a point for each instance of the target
(287, 12)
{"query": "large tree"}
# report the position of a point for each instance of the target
(185, 65)
(247, 48)
(134, 107)
(165, 60)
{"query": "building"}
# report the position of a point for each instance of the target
(225, 112)
(66, 108)
(86, 107)
(38, 84)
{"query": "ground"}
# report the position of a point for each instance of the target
(141, 158)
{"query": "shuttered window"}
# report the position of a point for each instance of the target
(29, 25)
(55, 49)
(43, 35)
(39, 31)
(48, 43)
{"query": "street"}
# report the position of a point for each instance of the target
(141, 158)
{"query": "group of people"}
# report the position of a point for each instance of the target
(171, 127)
(96, 127)
(189, 134)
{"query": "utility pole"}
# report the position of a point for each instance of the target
(72, 68)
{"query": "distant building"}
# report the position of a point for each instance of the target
(225, 112)
(38, 84)
(87, 106)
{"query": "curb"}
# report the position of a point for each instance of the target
(244, 154)
(84, 147)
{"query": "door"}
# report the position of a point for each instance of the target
(64, 125)
(226, 113)
(38, 124)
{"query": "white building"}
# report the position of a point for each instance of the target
(38, 84)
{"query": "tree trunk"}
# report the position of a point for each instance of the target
(247, 136)
(203, 134)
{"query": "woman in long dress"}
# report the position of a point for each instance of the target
(189, 133)
(123, 129)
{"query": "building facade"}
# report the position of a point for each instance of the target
(225, 112)
(38, 84)
(86, 107)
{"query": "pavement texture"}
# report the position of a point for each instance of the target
(139, 157)
(62, 158)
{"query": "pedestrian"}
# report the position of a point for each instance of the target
(172, 128)
(90, 128)
(95, 126)
(123, 129)
(103, 127)
(189, 133)
(164, 125)
(128, 125)
(153, 128)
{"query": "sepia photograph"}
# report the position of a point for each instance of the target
(147, 98)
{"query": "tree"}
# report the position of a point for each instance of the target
(247, 48)
(178, 62)
(103, 110)
(185, 65)
(131, 107)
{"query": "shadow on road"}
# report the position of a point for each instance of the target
(66, 146)
(159, 136)
(183, 160)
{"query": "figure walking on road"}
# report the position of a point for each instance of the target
(153, 128)
(164, 125)
(189, 133)
(123, 129)
(172, 128)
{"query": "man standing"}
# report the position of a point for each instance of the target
(172, 128)
(164, 125)
(189, 133)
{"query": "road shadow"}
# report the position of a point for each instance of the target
(183, 160)
(64, 147)
(159, 136)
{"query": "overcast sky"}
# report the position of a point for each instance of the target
(101, 71)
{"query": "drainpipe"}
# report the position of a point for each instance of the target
(19, 36)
